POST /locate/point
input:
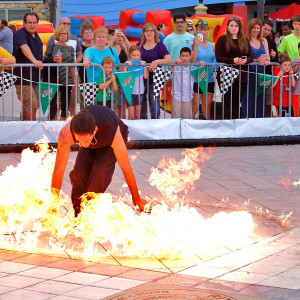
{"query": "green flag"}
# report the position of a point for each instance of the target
(47, 92)
(126, 80)
(201, 76)
(264, 82)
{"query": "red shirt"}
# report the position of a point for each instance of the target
(276, 89)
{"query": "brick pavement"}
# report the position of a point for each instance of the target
(268, 267)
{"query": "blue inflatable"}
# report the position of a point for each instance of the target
(139, 18)
(133, 32)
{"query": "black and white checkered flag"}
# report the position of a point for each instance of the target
(159, 80)
(227, 77)
(6, 81)
(89, 92)
(297, 75)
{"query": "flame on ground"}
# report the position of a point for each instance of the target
(29, 216)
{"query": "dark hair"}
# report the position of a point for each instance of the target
(83, 122)
(288, 24)
(4, 22)
(268, 22)
(179, 16)
(186, 49)
(159, 26)
(284, 59)
(31, 14)
(111, 30)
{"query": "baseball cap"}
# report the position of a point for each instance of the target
(189, 22)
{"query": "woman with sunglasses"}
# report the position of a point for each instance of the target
(190, 27)
(253, 105)
(154, 53)
(233, 49)
(161, 28)
(203, 52)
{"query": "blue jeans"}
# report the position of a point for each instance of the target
(153, 103)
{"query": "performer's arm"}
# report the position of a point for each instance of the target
(65, 140)
(120, 151)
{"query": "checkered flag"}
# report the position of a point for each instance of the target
(297, 75)
(227, 77)
(6, 81)
(159, 79)
(89, 91)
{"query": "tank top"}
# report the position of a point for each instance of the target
(107, 122)
(122, 56)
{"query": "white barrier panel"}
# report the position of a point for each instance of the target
(27, 132)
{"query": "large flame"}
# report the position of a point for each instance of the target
(29, 214)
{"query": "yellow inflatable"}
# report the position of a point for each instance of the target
(5, 54)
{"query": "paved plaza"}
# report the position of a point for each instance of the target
(259, 179)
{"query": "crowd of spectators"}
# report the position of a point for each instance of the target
(250, 53)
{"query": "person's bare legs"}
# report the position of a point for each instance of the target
(131, 113)
(195, 104)
(206, 105)
(27, 115)
(137, 111)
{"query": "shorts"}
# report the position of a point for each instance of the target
(136, 100)
(210, 88)
(29, 95)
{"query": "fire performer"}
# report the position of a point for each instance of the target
(102, 138)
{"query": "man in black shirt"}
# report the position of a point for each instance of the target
(28, 48)
(267, 28)
(102, 137)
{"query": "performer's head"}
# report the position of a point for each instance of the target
(83, 127)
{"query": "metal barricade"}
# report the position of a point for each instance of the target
(221, 92)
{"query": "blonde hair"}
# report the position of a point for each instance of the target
(86, 25)
(100, 30)
(252, 23)
(59, 29)
(107, 60)
(242, 39)
(143, 38)
(134, 48)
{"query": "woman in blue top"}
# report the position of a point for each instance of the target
(95, 54)
(161, 28)
(203, 52)
(253, 105)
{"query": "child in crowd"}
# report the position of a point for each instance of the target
(107, 83)
(134, 107)
(182, 90)
(284, 73)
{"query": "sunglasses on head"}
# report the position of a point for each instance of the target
(202, 23)
(190, 29)
(189, 22)
(234, 19)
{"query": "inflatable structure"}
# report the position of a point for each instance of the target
(77, 20)
(132, 21)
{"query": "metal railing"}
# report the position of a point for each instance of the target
(241, 100)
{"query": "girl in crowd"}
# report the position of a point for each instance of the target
(254, 106)
(203, 52)
(120, 43)
(161, 28)
(155, 53)
(60, 52)
(233, 48)
(134, 107)
(95, 54)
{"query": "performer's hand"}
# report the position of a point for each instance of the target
(141, 203)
